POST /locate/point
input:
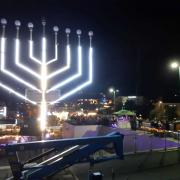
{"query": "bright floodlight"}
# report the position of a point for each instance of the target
(90, 33)
(68, 31)
(30, 25)
(3, 21)
(79, 32)
(55, 28)
(45, 74)
(111, 90)
(174, 65)
(17, 23)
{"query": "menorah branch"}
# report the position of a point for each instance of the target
(78, 88)
(19, 64)
(70, 79)
(9, 89)
(31, 54)
(66, 67)
(56, 56)
(9, 73)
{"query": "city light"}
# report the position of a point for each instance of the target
(92, 114)
(3, 112)
(132, 97)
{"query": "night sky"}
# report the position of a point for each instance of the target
(133, 41)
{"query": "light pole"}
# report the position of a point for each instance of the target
(113, 91)
(176, 65)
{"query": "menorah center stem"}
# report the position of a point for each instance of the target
(43, 107)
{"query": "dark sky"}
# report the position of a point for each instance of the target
(133, 41)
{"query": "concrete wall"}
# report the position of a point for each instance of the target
(71, 131)
(132, 163)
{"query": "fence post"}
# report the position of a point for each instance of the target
(165, 140)
(178, 146)
(151, 142)
(135, 143)
(178, 141)
(113, 174)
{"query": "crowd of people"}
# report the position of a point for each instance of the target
(165, 125)
(108, 120)
(88, 120)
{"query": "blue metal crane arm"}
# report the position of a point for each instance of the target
(84, 147)
(60, 143)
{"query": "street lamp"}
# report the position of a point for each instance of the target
(114, 91)
(160, 103)
(176, 65)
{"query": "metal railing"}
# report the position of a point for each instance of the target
(144, 142)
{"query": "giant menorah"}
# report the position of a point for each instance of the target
(43, 76)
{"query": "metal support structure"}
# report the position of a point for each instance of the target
(165, 143)
(114, 91)
(135, 139)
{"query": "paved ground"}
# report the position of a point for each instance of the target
(137, 141)
(163, 173)
(81, 173)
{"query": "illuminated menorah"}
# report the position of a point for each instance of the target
(43, 77)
